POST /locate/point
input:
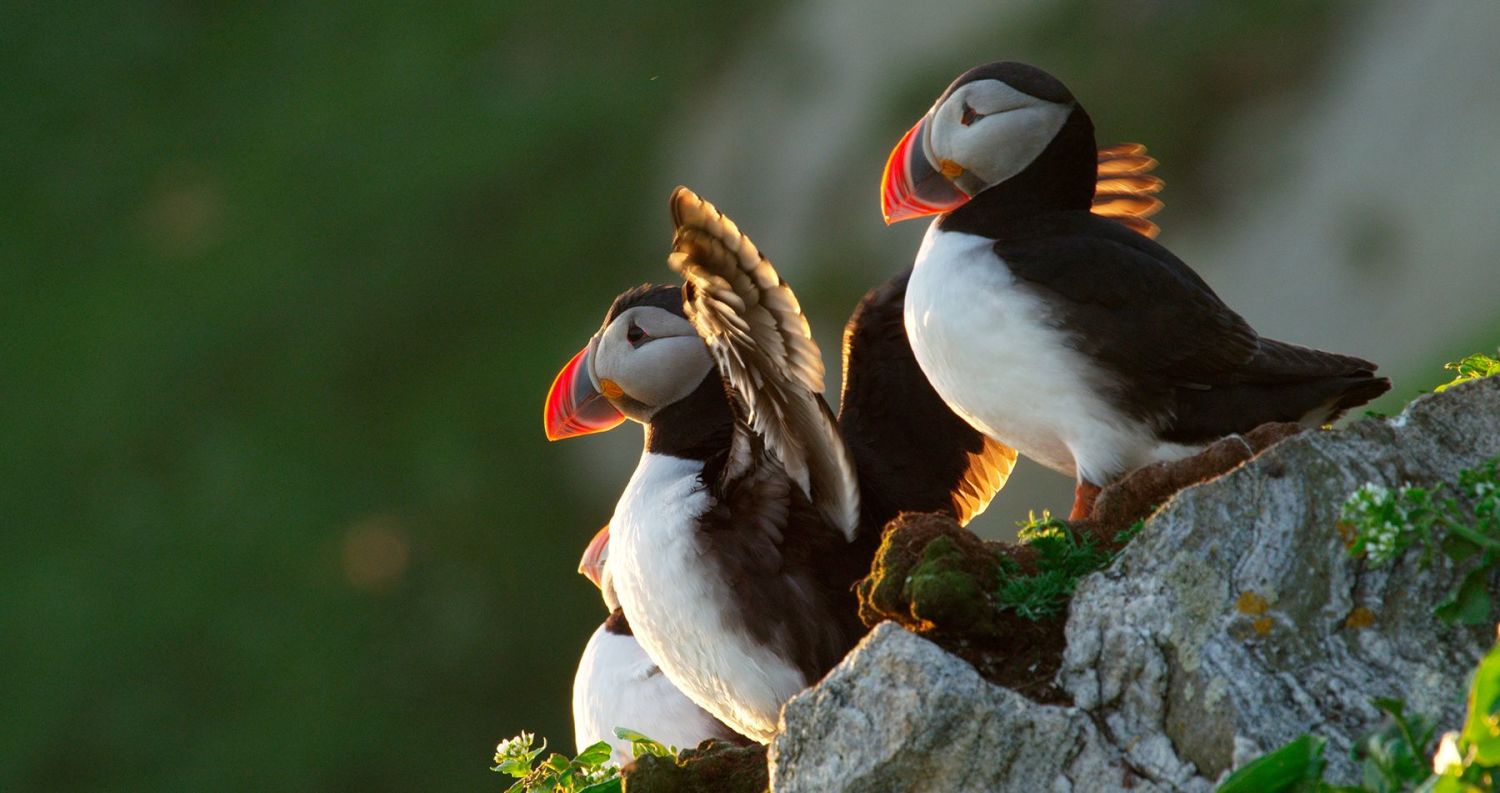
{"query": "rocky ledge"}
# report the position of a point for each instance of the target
(1234, 622)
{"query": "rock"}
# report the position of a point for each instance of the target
(1146, 488)
(1235, 622)
(902, 714)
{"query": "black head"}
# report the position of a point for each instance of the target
(1001, 125)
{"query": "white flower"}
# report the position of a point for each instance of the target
(1447, 756)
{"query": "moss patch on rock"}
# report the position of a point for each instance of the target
(939, 580)
(713, 767)
(932, 576)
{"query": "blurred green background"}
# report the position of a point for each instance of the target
(284, 287)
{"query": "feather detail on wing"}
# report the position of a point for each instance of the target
(987, 472)
(1126, 191)
(758, 336)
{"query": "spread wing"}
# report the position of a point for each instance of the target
(1126, 191)
(760, 340)
(912, 452)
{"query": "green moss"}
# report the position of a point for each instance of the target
(944, 588)
(714, 767)
(931, 575)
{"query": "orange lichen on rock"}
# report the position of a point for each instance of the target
(1360, 617)
(1251, 603)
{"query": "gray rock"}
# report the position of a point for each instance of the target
(1235, 622)
(902, 714)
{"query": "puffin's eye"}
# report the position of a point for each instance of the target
(635, 335)
(970, 115)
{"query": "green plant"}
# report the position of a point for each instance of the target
(590, 772)
(1063, 557)
(1391, 759)
(1473, 367)
(1294, 768)
(1383, 523)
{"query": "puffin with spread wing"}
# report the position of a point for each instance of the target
(730, 547)
(1078, 341)
(753, 511)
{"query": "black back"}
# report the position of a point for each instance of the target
(1180, 358)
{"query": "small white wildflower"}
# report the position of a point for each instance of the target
(1447, 756)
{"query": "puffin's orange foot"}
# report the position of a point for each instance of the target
(1084, 496)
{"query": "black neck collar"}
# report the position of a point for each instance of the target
(696, 427)
(1060, 178)
(617, 624)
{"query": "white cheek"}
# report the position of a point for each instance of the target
(997, 147)
(666, 370)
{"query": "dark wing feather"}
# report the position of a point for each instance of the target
(758, 336)
(791, 571)
(912, 452)
(1135, 307)
(1182, 357)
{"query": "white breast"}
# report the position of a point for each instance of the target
(993, 353)
(679, 606)
(618, 685)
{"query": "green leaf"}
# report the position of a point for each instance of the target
(627, 734)
(555, 763)
(1469, 602)
(1481, 729)
(1459, 549)
(1473, 367)
(1293, 768)
(612, 785)
(595, 755)
(516, 767)
(1446, 784)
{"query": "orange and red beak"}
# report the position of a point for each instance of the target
(591, 566)
(574, 406)
(911, 187)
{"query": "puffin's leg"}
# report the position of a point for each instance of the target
(1083, 500)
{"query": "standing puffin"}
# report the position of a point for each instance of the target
(618, 685)
(1083, 344)
(751, 513)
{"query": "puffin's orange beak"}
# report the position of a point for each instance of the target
(574, 407)
(591, 566)
(911, 187)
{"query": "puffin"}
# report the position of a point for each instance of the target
(752, 511)
(618, 685)
(1079, 341)
(730, 547)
